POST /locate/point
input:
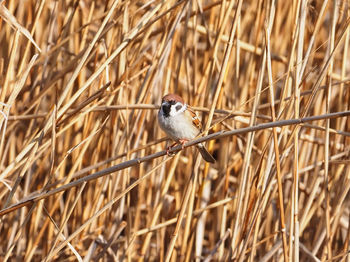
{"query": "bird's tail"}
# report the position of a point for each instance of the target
(205, 154)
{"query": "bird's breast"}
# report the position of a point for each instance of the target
(177, 127)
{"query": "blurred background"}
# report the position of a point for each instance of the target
(80, 86)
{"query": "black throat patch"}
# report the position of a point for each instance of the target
(166, 110)
(167, 107)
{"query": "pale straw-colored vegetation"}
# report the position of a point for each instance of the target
(83, 170)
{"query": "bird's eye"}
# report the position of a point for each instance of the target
(178, 107)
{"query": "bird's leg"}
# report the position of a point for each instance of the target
(183, 142)
(170, 147)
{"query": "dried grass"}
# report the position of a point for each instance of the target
(83, 170)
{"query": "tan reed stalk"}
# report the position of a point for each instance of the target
(84, 173)
(275, 142)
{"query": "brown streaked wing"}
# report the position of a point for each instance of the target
(194, 117)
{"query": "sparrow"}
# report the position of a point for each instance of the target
(181, 123)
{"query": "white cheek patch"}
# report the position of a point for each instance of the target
(177, 109)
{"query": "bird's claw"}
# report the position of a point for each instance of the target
(169, 153)
(168, 148)
(181, 141)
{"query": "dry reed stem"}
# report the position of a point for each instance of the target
(80, 146)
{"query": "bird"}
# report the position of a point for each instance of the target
(181, 123)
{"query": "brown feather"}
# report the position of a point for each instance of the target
(195, 119)
(172, 97)
(205, 154)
